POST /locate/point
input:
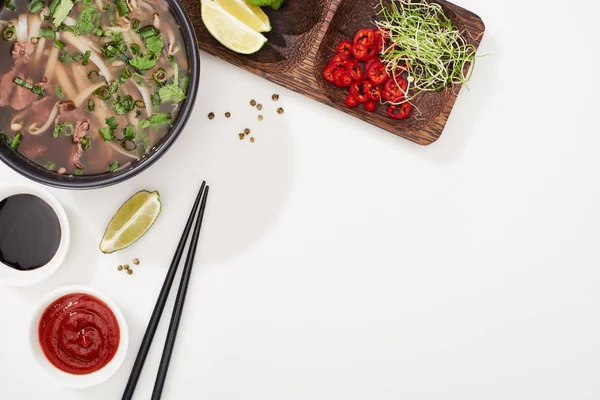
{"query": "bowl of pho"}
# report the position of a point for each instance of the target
(92, 92)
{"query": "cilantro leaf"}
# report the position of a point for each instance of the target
(154, 44)
(144, 123)
(111, 122)
(107, 134)
(61, 12)
(143, 63)
(85, 22)
(172, 93)
(123, 105)
(112, 167)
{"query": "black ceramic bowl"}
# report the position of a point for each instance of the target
(27, 168)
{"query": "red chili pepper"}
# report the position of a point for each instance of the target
(400, 111)
(355, 71)
(379, 41)
(344, 47)
(351, 101)
(356, 91)
(392, 92)
(363, 52)
(339, 60)
(377, 74)
(328, 73)
(342, 78)
(365, 36)
(370, 106)
(372, 62)
(372, 90)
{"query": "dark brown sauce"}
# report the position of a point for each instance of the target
(29, 232)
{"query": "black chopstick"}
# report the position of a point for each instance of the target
(138, 365)
(178, 307)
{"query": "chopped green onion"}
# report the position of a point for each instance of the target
(16, 140)
(140, 104)
(112, 167)
(58, 44)
(122, 8)
(47, 33)
(77, 57)
(93, 75)
(160, 118)
(58, 130)
(8, 4)
(48, 18)
(77, 172)
(36, 6)
(128, 145)
(38, 90)
(69, 129)
(135, 49)
(113, 86)
(109, 50)
(50, 166)
(86, 57)
(53, 5)
(65, 28)
(91, 104)
(135, 24)
(103, 92)
(160, 76)
(9, 33)
(35, 40)
(148, 31)
(85, 142)
(59, 93)
(23, 83)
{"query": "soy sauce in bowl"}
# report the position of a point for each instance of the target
(30, 232)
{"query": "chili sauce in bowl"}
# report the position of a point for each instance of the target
(78, 336)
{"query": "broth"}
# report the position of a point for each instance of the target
(94, 93)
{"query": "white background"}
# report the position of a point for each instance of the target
(338, 261)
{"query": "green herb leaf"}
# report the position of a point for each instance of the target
(129, 132)
(8, 4)
(159, 119)
(107, 134)
(113, 166)
(155, 99)
(123, 105)
(50, 166)
(47, 33)
(143, 63)
(144, 123)
(86, 57)
(112, 123)
(85, 21)
(14, 144)
(61, 12)
(77, 172)
(184, 82)
(85, 142)
(172, 93)
(154, 44)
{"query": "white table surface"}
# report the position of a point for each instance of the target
(338, 261)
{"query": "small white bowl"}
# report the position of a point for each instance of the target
(64, 378)
(13, 277)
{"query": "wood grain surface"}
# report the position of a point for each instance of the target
(303, 39)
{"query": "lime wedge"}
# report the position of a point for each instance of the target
(230, 31)
(249, 14)
(131, 222)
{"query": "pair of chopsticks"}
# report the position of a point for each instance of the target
(162, 300)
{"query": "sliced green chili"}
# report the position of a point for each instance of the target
(68, 129)
(85, 142)
(160, 76)
(9, 33)
(91, 104)
(135, 49)
(35, 40)
(93, 75)
(103, 92)
(140, 104)
(113, 86)
(135, 24)
(125, 75)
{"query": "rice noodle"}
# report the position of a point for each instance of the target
(84, 94)
(70, 21)
(34, 130)
(65, 82)
(80, 74)
(22, 28)
(34, 26)
(39, 50)
(147, 99)
(100, 4)
(52, 61)
(95, 58)
(117, 147)
(156, 21)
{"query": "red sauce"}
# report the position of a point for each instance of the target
(79, 334)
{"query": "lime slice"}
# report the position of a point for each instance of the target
(249, 14)
(131, 222)
(230, 31)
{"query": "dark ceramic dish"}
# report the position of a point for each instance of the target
(29, 169)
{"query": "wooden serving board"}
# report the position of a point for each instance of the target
(303, 39)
